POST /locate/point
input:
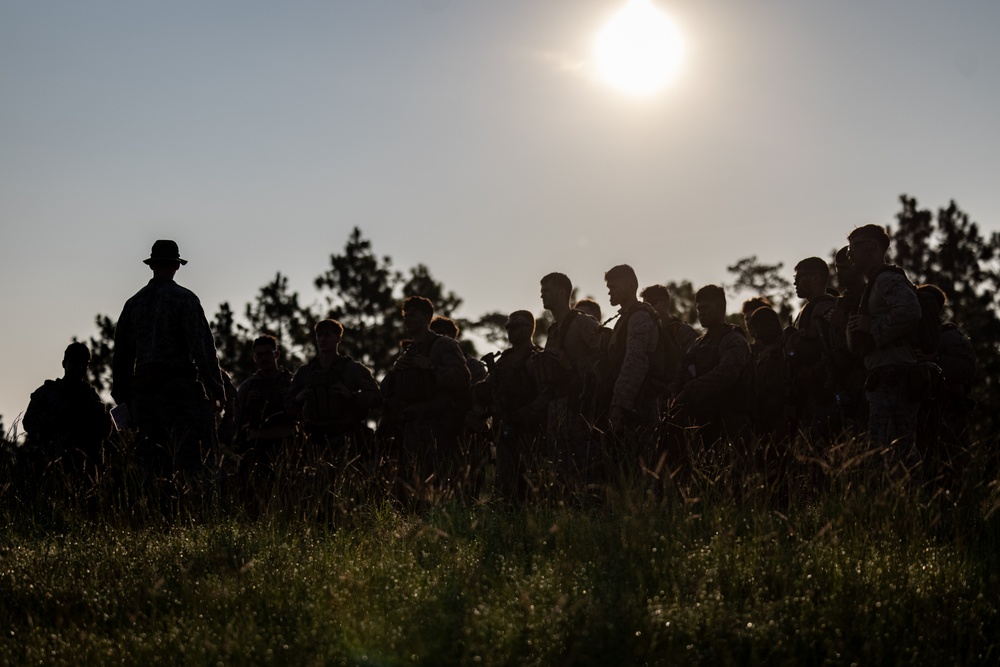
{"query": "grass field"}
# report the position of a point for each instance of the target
(852, 568)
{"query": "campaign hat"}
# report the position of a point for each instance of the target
(164, 251)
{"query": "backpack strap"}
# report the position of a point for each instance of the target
(564, 327)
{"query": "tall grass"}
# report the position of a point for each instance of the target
(834, 562)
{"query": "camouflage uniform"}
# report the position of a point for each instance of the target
(511, 390)
(813, 402)
(262, 427)
(636, 361)
(328, 418)
(713, 386)
(165, 369)
(425, 403)
(260, 407)
(578, 337)
(66, 422)
(892, 386)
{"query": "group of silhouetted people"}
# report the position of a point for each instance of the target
(648, 394)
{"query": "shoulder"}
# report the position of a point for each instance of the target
(581, 324)
(734, 336)
(643, 311)
(733, 330)
(443, 344)
(305, 368)
(183, 294)
(353, 365)
(895, 286)
(890, 275)
(47, 388)
(249, 382)
(642, 320)
(825, 303)
(585, 334)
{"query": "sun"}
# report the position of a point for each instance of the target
(638, 50)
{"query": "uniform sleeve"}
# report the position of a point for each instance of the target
(904, 308)
(641, 342)
(734, 355)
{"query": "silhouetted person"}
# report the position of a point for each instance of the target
(423, 391)
(808, 344)
(879, 333)
(770, 405)
(166, 371)
(474, 415)
(260, 399)
(572, 347)
(848, 368)
(588, 306)
(262, 423)
(712, 390)
(680, 335)
(770, 387)
(511, 391)
(635, 364)
(66, 421)
(944, 420)
(747, 309)
(332, 395)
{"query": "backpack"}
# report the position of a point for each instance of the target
(672, 351)
(704, 355)
(659, 357)
(925, 335)
(600, 385)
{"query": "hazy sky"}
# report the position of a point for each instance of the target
(471, 136)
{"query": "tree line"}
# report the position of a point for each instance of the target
(364, 291)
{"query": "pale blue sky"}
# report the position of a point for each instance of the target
(465, 135)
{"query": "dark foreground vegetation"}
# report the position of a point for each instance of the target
(836, 565)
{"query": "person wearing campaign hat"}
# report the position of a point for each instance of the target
(165, 369)
(164, 252)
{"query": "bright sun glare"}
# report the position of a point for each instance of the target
(639, 49)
